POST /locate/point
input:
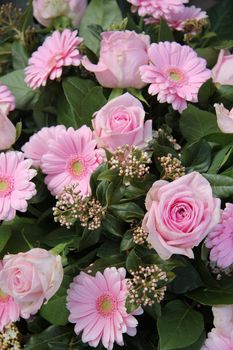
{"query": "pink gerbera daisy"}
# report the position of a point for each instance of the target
(157, 8)
(15, 185)
(9, 310)
(7, 100)
(71, 159)
(58, 50)
(37, 145)
(220, 240)
(175, 73)
(97, 307)
(177, 20)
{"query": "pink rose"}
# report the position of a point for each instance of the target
(121, 56)
(121, 122)
(7, 132)
(46, 11)
(180, 214)
(222, 72)
(224, 118)
(30, 278)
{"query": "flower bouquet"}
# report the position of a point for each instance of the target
(116, 177)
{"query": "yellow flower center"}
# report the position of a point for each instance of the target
(106, 305)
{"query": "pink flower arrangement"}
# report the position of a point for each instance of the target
(175, 74)
(180, 214)
(16, 187)
(7, 100)
(30, 278)
(57, 51)
(220, 239)
(46, 11)
(70, 160)
(157, 8)
(97, 307)
(222, 72)
(38, 144)
(121, 122)
(121, 56)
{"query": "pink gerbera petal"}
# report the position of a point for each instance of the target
(220, 240)
(103, 314)
(7, 100)
(58, 50)
(9, 310)
(177, 20)
(175, 73)
(37, 145)
(70, 160)
(15, 185)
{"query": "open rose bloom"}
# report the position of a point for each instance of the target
(180, 214)
(31, 278)
(121, 122)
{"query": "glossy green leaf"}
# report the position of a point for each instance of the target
(179, 326)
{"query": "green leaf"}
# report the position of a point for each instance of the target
(212, 296)
(75, 91)
(49, 311)
(196, 123)
(187, 278)
(128, 212)
(27, 17)
(101, 264)
(91, 103)
(127, 241)
(5, 234)
(179, 326)
(103, 13)
(221, 19)
(209, 54)
(19, 55)
(112, 226)
(58, 236)
(52, 334)
(197, 345)
(226, 92)
(220, 159)
(165, 32)
(133, 261)
(108, 248)
(25, 96)
(222, 186)
(220, 138)
(197, 156)
(206, 91)
(89, 238)
(115, 93)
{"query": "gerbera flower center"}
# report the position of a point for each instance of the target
(3, 297)
(6, 185)
(106, 305)
(76, 167)
(175, 74)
